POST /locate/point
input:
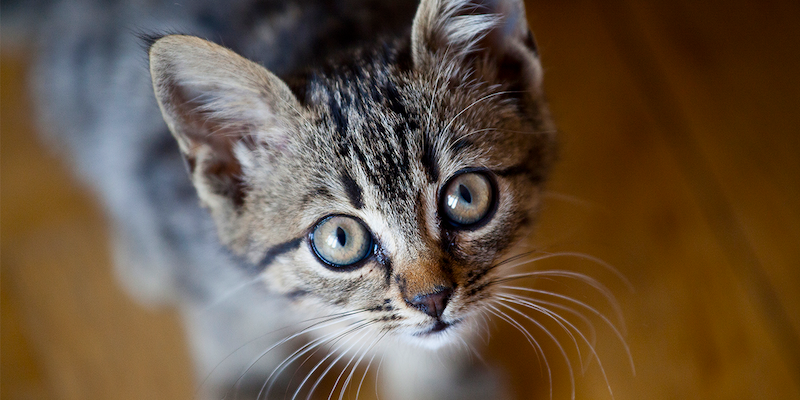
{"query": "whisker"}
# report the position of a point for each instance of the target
(475, 132)
(539, 351)
(589, 308)
(366, 370)
(589, 325)
(315, 326)
(514, 258)
(599, 262)
(557, 318)
(524, 301)
(602, 289)
(488, 96)
(230, 293)
(554, 339)
(473, 351)
(593, 350)
(344, 369)
(484, 323)
(315, 343)
(377, 375)
(358, 362)
(314, 346)
(331, 364)
(574, 200)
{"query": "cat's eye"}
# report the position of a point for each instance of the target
(467, 199)
(341, 241)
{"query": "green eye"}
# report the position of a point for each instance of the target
(341, 241)
(467, 199)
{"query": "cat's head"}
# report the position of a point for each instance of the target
(389, 185)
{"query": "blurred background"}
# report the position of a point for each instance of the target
(680, 166)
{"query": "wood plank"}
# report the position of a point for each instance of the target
(76, 335)
(737, 189)
(735, 80)
(693, 327)
(694, 331)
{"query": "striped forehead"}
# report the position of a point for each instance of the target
(385, 148)
(383, 157)
(375, 133)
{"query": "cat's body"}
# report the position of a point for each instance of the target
(375, 146)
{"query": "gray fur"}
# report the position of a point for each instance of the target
(375, 134)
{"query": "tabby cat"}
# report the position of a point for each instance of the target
(360, 182)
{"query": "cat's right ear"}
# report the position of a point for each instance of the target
(485, 39)
(220, 107)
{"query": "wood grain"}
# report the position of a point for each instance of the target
(680, 167)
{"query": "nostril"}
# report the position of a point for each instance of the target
(432, 304)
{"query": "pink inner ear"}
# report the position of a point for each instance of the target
(201, 129)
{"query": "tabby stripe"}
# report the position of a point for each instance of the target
(276, 251)
(354, 192)
(297, 294)
(384, 260)
(521, 169)
(429, 159)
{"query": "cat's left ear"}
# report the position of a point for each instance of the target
(489, 38)
(224, 110)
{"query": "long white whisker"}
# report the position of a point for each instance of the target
(230, 293)
(587, 307)
(523, 301)
(538, 348)
(304, 330)
(594, 352)
(358, 362)
(377, 375)
(554, 339)
(475, 132)
(587, 257)
(330, 320)
(266, 388)
(344, 369)
(473, 351)
(602, 289)
(331, 364)
(574, 200)
(366, 370)
(591, 341)
(515, 258)
(557, 318)
(313, 344)
(488, 96)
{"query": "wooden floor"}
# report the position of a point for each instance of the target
(680, 167)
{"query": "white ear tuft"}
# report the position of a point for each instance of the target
(488, 37)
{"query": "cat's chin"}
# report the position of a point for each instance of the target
(433, 341)
(439, 335)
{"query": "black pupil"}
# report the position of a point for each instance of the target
(465, 194)
(341, 236)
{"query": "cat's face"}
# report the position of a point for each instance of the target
(390, 186)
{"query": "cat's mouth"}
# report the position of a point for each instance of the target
(438, 327)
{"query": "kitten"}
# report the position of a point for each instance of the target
(365, 200)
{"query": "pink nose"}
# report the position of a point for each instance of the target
(432, 304)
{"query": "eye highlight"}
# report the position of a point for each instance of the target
(467, 199)
(340, 241)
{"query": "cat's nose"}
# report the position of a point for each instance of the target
(432, 304)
